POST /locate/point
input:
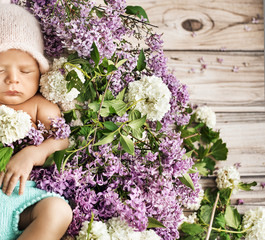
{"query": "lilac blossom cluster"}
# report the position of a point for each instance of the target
(59, 129)
(99, 180)
(127, 186)
(109, 31)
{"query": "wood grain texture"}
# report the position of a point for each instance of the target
(218, 86)
(225, 23)
(244, 134)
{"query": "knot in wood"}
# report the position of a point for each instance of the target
(192, 25)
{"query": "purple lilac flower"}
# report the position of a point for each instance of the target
(59, 129)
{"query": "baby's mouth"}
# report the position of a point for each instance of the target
(12, 93)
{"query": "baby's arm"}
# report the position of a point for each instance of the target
(21, 164)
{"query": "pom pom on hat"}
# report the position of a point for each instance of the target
(19, 29)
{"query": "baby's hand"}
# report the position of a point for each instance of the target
(18, 169)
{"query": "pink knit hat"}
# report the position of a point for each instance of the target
(20, 30)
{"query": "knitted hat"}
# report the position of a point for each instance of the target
(20, 30)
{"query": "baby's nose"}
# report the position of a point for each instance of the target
(12, 77)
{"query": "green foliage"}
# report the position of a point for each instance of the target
(153, 223)
(137, 11)
(206, 144)
(247, 186)
(192, 229)
(5, 155)
(186, 179)
(232, 217)
(141, 64)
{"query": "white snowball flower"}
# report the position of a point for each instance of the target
(196, 205)
(149, 235)
(53, 85)
(153, 97)
(206, 115)
(99, 231)
(14, 125)
(228, 177)
(255, 220)
(119, 229)
(192, 218)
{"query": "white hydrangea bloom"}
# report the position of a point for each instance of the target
(99, 231)
(192, 218)
(255, 220)
(206, 115)
(149, 235)
(153, 97)
(119, 229)
(196, 205)
(14, 125)
(115, 229)
(228, 177)
(53, 85)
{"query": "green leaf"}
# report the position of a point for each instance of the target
(141, 64)
(135, 114)
(84, 131)
(192, 229)
(95, 54)
(220, 220)
(119, 106)
(247, 186)
(186, 179)
(205, 213)
(224, 236)
(120, 96)
(110, 126)
(158, 126)
(94, 106)
(187, 155)
(232, 217)
(121, 62)
(100, 14)
(210, 164)
(108, 139)
(153, 223)
(219, 150)
(138, 133)
(208, 135)
(58, 158)
(137, 11)
(108, 95)
(5, 155)
(225, 195)
(187, 133)
(135, 124)
(201, 167)
(127, 144)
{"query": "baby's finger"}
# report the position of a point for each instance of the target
(2, 174)
(5, 181)
(22, 185)
(11, 184)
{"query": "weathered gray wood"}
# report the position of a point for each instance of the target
(225, 23)
(218, 86)
(244, 134)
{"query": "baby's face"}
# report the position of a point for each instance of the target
(19, 77)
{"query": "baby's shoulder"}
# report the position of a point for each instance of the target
(45, 109)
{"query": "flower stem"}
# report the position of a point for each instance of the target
(212, 217)
(230, 231)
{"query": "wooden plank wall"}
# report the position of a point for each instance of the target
(231, 31)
